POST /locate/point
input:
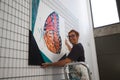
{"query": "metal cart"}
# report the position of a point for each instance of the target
(77, 71)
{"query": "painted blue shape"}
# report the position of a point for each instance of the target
(35, 5)
(45, 58)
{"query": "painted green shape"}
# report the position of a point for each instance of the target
(35, 5)
(45, 58)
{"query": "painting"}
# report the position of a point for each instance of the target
(46, 36)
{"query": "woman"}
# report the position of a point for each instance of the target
(76, 52)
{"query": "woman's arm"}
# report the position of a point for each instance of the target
(68, 46)
(60, 63)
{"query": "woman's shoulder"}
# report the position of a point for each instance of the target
(79, 44)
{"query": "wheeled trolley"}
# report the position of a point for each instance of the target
(77, 71)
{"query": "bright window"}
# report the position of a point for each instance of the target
(104, 12)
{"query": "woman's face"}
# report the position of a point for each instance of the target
(73, 38)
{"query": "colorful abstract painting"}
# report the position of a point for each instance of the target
(47, 35)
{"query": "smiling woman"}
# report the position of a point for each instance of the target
(76, 52)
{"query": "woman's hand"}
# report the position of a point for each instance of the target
(67, 44)
(44, 65)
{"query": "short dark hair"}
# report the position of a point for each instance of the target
(77, 34)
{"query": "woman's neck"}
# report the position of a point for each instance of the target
(74, 43)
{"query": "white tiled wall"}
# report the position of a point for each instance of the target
(14, 35)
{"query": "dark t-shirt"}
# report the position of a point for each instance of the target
(77, 53)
